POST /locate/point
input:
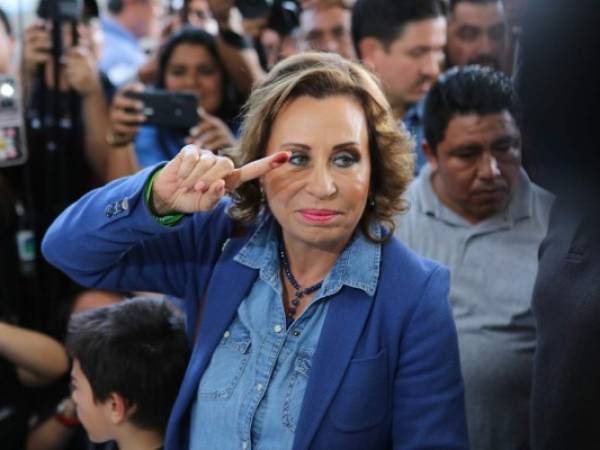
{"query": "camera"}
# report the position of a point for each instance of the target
(283, 15)
(12, 130)
(59, 13)
(253, 9)
(60, 10)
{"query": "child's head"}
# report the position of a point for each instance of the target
(129, 360)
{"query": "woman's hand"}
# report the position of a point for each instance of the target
(126, 115)
(195, 180)
(37, 46)
(211, 133)
(81, 71)
(221, 9)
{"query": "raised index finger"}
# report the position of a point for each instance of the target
(255, 169)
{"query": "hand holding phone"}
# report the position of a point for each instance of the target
(211, 133)
(125, 116)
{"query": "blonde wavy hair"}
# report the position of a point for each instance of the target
(322, 75)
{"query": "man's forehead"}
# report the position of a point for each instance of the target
(478, 13)
(474, 124)
(426, 32)
(318, 17)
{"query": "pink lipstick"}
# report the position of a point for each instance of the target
(319, 216)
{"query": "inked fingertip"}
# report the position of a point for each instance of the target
(281, 158)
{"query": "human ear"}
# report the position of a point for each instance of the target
(369, 48)
(118, 408)
(430, 156)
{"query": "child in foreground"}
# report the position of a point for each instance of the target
(128, 363)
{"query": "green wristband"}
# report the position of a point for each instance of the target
(168, 220)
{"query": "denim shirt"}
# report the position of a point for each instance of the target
(413, 121)
(250, 396)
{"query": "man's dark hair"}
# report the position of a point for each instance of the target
(385, 19)
(136, 348)
(466, 90)
(114, 6)
(5, 22)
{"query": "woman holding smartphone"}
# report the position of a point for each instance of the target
(188, 62)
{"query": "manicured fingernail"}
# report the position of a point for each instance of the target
(189, 149)
(280, 159)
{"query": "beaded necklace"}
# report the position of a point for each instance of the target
(299, 291)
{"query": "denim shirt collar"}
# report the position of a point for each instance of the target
(357, 266)
(415, 113)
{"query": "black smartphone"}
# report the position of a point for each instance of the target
(168, 109)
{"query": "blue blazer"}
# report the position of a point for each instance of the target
(386, 371)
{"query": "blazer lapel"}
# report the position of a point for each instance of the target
(229, 285)
(345, 320)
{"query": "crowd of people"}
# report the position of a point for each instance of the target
(374, 228)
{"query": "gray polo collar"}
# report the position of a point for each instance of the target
(519, 207)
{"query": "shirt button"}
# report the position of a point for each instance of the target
(244, 445)
(277, 328)
(259, 387)
(226, 334)
(296, 333)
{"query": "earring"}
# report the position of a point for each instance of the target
(371, 200)
(263, 200)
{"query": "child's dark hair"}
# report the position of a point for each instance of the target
(136, 348)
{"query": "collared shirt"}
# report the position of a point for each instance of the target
(413, 121)
(493, 266)
(122, 54)
(251, 394)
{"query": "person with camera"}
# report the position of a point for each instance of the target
(188, 63)
(82, 95)
(312, 326)
(253, 35)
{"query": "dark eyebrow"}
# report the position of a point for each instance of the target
(306, 147)
(345, 144)
(513, 139)
(295, 145)
(470, 146)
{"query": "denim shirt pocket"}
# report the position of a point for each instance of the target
(296, 388)
(227, 364)
(362, 401)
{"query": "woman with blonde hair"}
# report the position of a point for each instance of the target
(312, 326)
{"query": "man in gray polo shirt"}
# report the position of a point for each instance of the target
(474, 209)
